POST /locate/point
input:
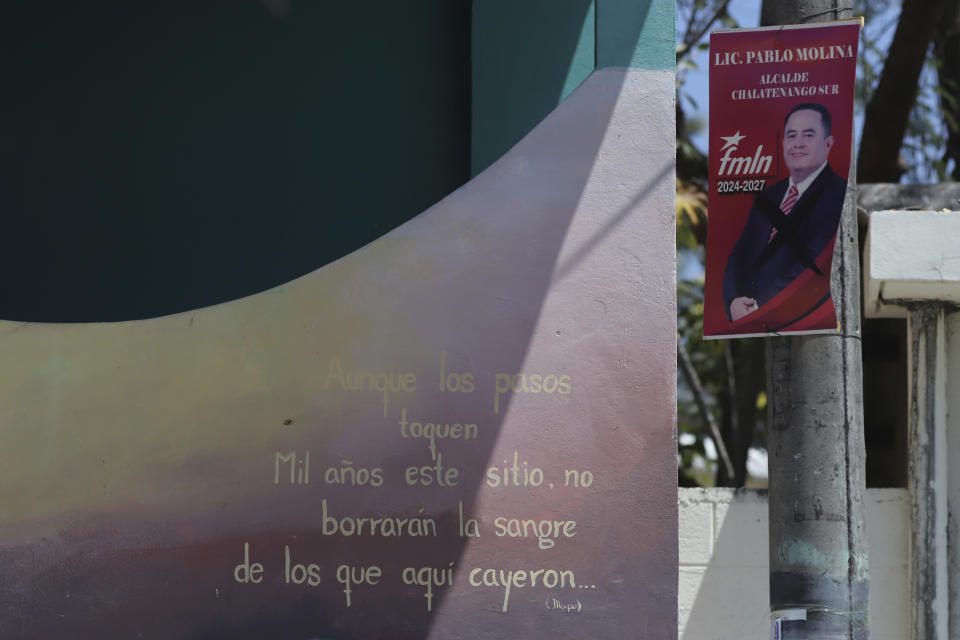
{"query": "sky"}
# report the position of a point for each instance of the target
(747, 14)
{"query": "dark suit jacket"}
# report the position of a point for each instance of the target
(760, 270)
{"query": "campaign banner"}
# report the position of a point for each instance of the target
(781, 130)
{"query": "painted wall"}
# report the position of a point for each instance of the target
(724, 566)
(528, 56)
(170, 156)
(165, 156)
(209, 462)
(221, 462)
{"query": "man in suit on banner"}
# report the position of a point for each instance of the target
(792, 221)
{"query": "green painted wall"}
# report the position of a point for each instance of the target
(162, 156)
(528, 56)
(638, 34)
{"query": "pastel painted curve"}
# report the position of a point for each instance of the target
(238, 471)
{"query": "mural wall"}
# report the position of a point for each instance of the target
(464, 429)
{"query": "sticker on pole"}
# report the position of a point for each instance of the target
(781, 129)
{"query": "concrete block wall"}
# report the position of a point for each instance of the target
(723, 592)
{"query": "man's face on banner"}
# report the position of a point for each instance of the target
(805, 143)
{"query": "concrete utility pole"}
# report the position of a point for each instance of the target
(819, 582)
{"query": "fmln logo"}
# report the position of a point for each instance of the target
(756, 164)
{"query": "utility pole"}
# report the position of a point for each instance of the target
(819, 585)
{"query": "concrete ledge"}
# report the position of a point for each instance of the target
(886, 196)
(910, 256)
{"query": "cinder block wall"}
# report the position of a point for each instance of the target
(723, 591)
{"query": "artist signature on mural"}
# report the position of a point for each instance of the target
(566, 607)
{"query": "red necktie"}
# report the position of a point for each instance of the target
(787, 207)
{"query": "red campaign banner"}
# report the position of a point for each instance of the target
(781, 131)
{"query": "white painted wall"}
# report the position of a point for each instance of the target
(723, 592)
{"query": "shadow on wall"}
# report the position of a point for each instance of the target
(723, 565)
(174, 430)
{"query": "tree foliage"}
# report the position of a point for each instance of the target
(715, 384)
(901, 102)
